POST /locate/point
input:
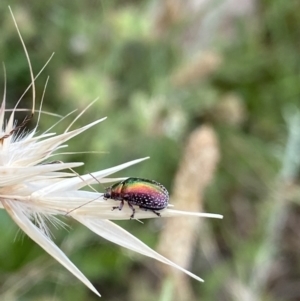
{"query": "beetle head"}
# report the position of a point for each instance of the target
(107, 193)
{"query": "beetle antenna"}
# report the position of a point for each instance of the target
(88, 186)
(82, 205)
(97, 180)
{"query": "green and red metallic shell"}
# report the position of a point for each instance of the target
(147, 194)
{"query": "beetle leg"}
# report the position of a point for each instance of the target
(118, 207)
(143, 208)
(146, 209)
(133, 210)
(157, 213)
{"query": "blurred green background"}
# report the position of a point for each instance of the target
(161, 69)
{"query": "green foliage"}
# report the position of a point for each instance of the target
(108, 49)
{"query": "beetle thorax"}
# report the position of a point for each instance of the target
(114, 192)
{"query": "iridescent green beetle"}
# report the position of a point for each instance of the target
(147, 194)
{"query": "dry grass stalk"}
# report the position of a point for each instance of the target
(195, 172)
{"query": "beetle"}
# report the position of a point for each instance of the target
(147, 194)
